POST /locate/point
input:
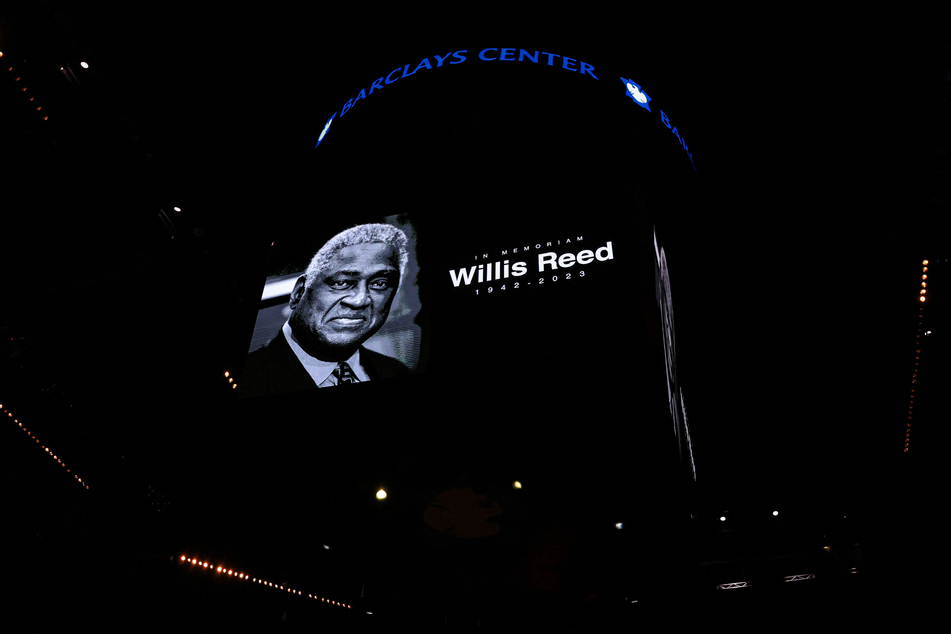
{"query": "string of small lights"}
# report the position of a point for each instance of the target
(25, 90)
(230, 379)
(224, 571)
(46, 449)
(922, 297)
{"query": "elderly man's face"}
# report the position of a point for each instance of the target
(347, 303)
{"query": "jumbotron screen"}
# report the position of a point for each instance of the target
(478, 221)
(466, 288)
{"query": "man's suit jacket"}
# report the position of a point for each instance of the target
(275, 368)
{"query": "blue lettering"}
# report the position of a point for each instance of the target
(440, 60)
(390, 81)
(587, 67)
(522, 54)
(405, 73)
(565, 61)
(550, 56)
(376, 84)
(362, 95)
(666, 121)
(507, 51)
(482, 54)
(346, 107)
(459, 55)
(425, 63)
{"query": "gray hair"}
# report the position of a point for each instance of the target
(361, 234)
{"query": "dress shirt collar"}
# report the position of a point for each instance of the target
(317, 369)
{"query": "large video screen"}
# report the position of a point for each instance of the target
(465, 304)
(524, 229)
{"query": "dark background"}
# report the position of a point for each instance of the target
(820, 140)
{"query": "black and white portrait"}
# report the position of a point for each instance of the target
(345, 297)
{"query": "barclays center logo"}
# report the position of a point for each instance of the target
(639, 96)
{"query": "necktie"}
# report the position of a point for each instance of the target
(344, 374)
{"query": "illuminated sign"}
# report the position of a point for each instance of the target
(634, 92)
(323, 132)
(632, 89)
(526, 56)
(548, 261)
(680, 139)
(458, 57)
(639, 97)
